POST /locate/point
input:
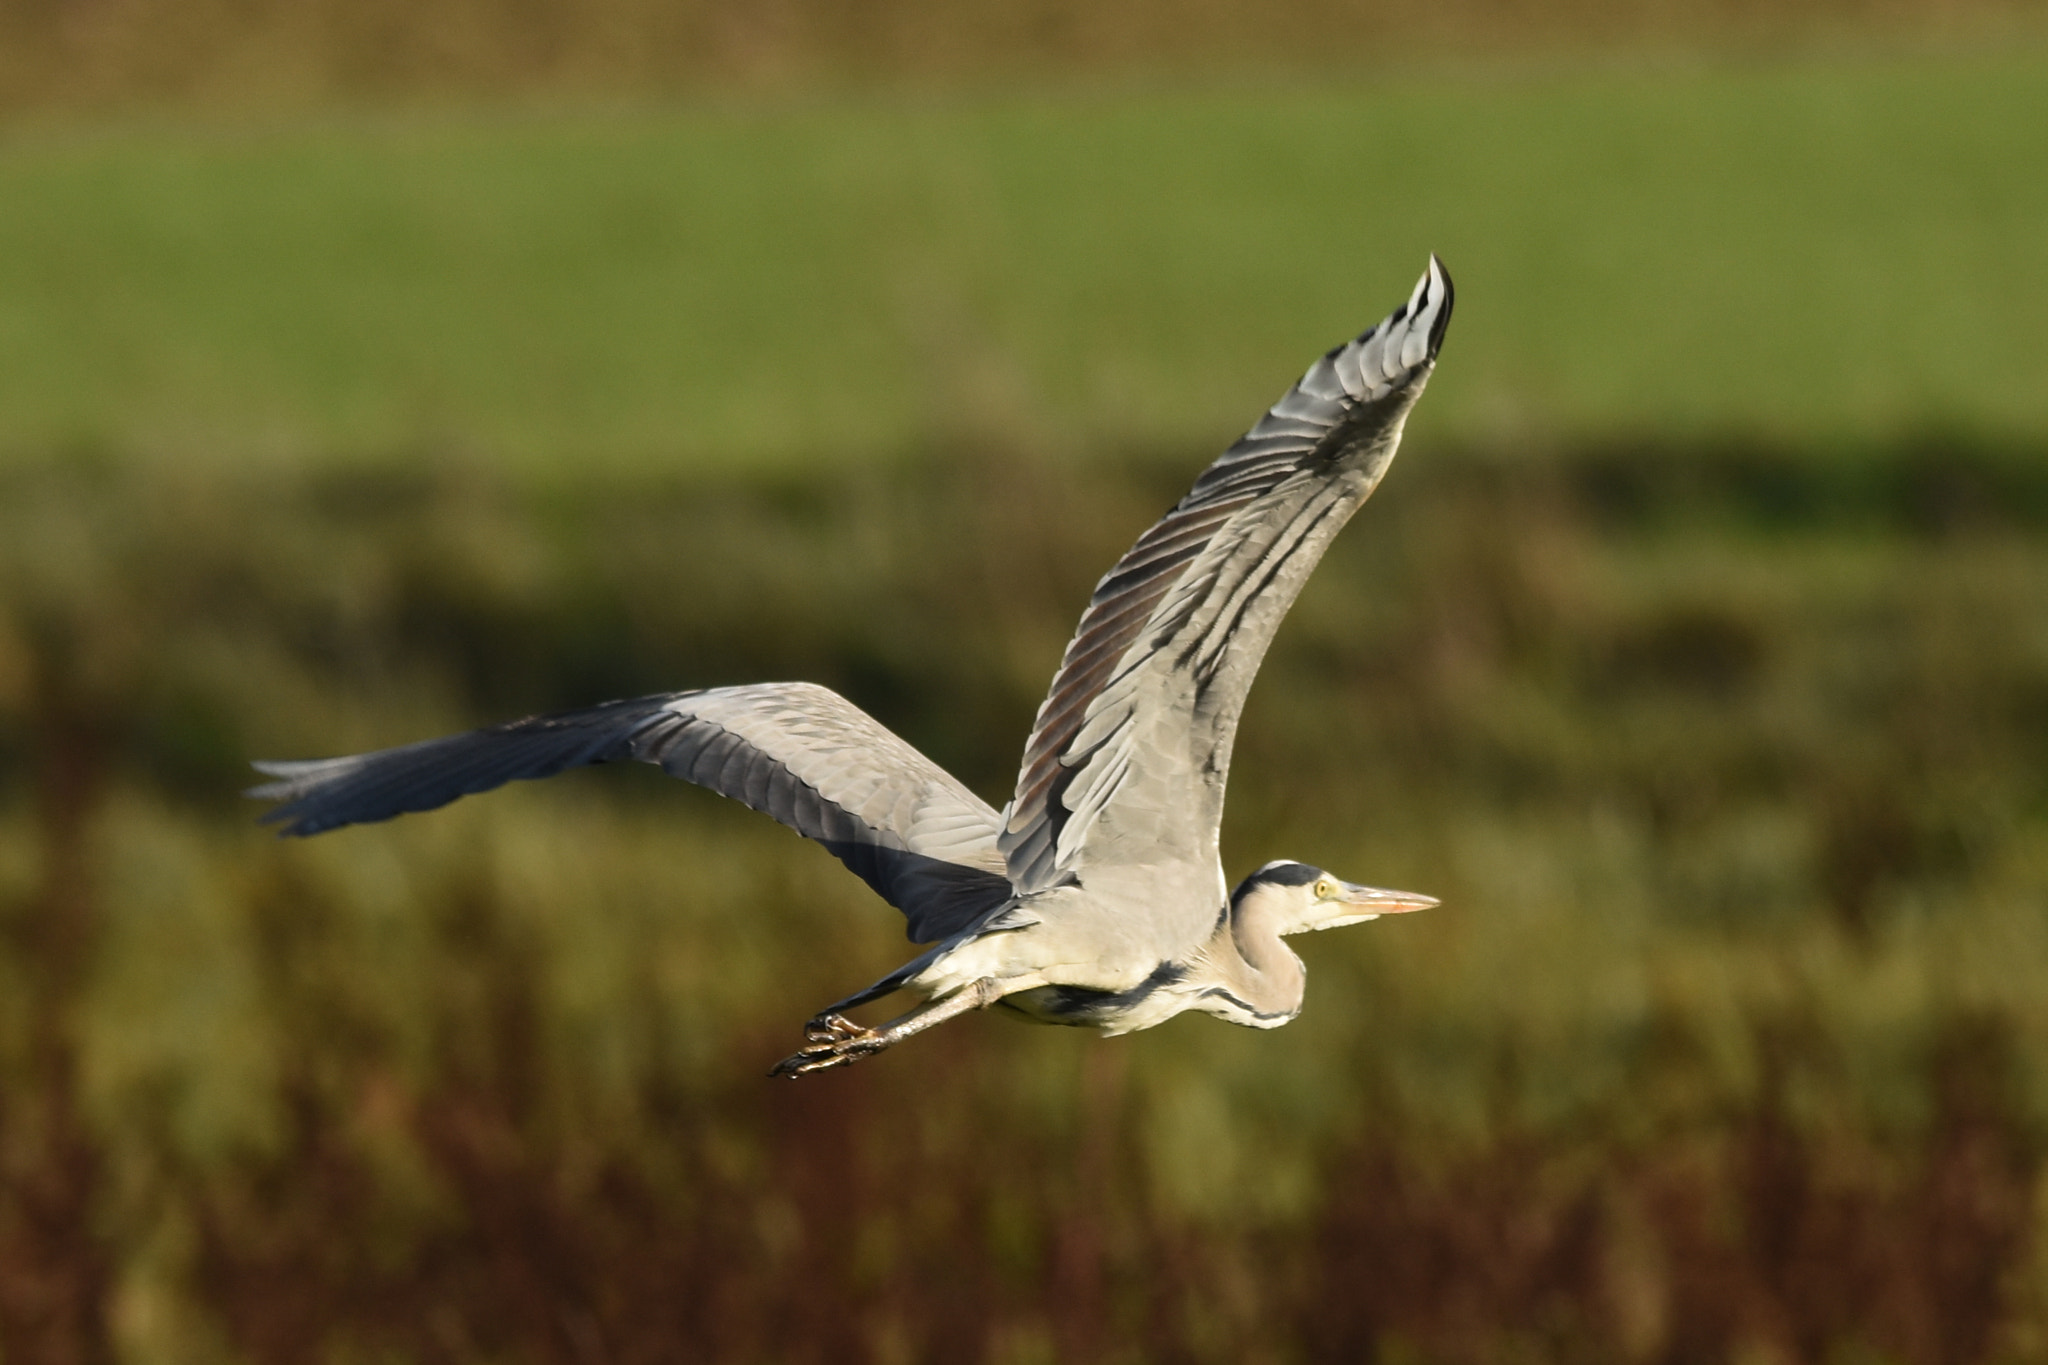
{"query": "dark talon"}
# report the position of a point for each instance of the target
(834, 1040)
(831, 1028)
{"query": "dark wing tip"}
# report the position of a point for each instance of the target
(320, 794)
(1442, 322)
(295, 779)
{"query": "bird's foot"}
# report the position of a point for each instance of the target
(834, 1040)
(832, 1028)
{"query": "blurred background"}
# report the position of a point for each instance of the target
(371, 369)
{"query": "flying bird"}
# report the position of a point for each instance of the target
(1096, 897)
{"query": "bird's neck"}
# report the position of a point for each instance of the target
(1254, 965)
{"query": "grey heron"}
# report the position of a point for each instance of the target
(1097, 896)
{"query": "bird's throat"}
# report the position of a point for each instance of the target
(1254, 964)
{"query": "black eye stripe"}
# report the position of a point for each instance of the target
(1289, 874)
(1279, 874)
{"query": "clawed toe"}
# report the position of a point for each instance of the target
(832, 1028)
(834, 1041)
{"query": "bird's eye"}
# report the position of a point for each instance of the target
(1325, 889)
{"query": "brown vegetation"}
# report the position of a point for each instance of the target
(1726, 1044)
(81, 53)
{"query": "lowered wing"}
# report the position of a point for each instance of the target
(796, 751)
(1126, 763)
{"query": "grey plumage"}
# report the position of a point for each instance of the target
(795, 751)
(1097, 896)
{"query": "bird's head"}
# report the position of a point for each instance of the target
(1297, 898)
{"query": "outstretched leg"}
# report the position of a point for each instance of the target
(835, 1040)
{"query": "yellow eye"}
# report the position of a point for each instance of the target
(1325, 889)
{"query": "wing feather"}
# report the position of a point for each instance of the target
(1144, 708)
(795, 751)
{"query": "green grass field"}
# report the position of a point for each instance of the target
(1814, 253)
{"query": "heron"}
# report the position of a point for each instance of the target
(1097, 896)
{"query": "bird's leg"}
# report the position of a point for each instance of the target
(836, 1040)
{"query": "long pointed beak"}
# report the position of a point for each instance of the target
(1380, 901)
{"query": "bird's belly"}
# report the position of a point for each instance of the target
(1152, 1001)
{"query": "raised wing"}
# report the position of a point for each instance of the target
(796, 751)
(1127, 761)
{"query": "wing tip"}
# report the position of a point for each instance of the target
(290, 789)
(1432, 299)
(1439, 276)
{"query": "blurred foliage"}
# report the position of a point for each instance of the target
(1822, 251)
(68, 54)
(1727, 1043)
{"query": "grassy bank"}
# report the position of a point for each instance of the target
(1811, 253)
